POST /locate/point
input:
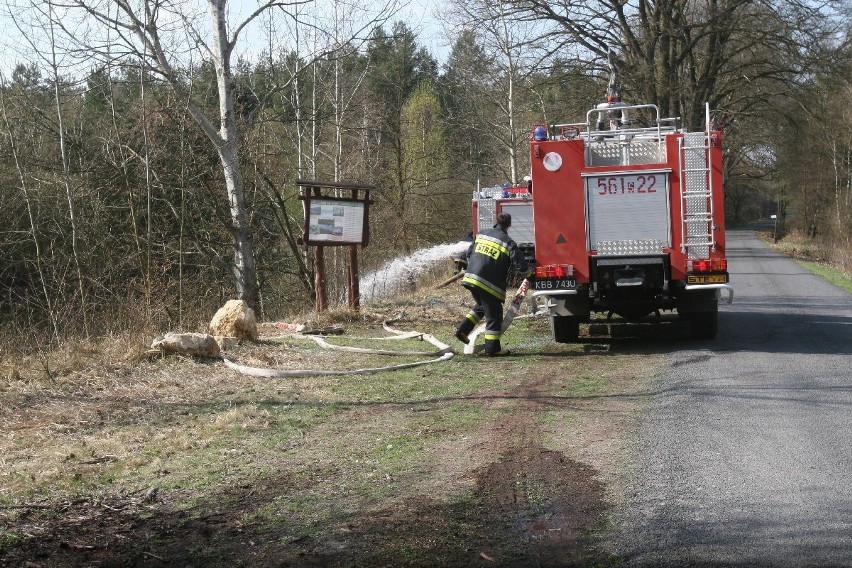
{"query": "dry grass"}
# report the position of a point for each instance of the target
(95, 416)
(831, 252)
(103, 415)
(303, 459)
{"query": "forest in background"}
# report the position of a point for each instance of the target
(147, 174)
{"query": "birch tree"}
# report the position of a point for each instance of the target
(155, 33)
(314, 89)
(514, 49)
(40, 33)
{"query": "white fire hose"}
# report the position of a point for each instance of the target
(445, 353)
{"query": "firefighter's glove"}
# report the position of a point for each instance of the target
(529, 275)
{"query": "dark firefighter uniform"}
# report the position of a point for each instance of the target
(490, 257)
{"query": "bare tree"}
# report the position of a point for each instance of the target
(160, 33)
(146, 32)
(47, 22)
(823, 124)
(516, 50)
(39, 260)
(680, 54)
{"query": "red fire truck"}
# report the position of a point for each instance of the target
(515, 200)
(628, 220)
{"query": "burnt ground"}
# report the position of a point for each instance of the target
(531, 507)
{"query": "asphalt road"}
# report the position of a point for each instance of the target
(744, 457)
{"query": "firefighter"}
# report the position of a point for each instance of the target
(489, 259)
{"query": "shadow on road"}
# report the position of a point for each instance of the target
(780, 331)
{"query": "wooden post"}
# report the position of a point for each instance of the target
(319, 279)
(354, 277)
(354, 288)
(319, 271)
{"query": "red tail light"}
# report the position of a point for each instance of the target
(705, 265)
(554, 271)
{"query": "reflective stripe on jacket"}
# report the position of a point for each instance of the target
(490, 256)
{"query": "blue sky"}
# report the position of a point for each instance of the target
(422, 16)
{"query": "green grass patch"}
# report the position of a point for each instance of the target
(351, 466)
(839, 278)
(8, 539)
(824, 259)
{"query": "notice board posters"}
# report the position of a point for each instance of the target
(332, 221)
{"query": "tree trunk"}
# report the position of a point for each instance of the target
(244, 271)
(510, 102)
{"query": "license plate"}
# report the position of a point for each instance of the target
(707, 279)
(555, 284)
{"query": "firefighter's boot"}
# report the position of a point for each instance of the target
(492, 346)
(466, 326)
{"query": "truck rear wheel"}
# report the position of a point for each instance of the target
(705, 324)
(566, 329)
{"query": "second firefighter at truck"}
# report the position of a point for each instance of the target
(489, 259)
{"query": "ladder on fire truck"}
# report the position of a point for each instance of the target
(697, 239)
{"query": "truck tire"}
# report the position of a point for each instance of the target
(705, 324)
(566, 329)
